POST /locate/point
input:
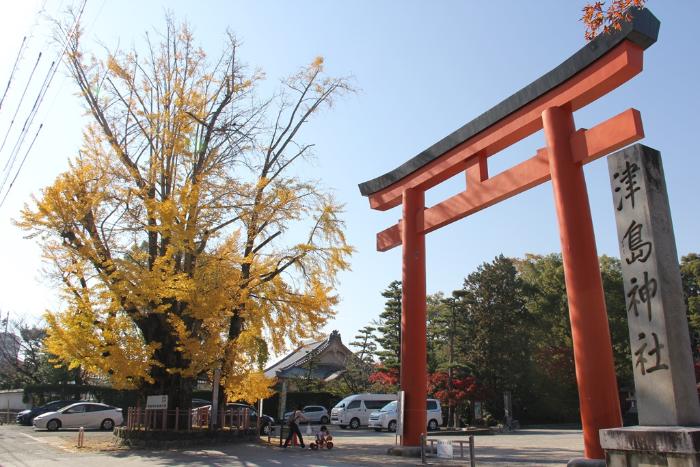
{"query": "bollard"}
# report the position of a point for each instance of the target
(81, 437)
(422, 448)
(471, 451)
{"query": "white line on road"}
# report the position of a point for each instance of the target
(39, 440)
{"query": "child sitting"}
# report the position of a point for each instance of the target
(323, 435)
(323, 439)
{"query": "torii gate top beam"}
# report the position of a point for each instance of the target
(596, 69)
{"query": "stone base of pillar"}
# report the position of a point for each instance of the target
(584, 462)
(662, 446)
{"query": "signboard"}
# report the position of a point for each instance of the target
(478, 415)
(157, 402)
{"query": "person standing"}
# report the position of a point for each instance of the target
(294, 420)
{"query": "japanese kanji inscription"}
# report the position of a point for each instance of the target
(659, 339)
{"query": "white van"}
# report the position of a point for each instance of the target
(354, 410)
(386, 417)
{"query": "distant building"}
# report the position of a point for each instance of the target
(322, 360)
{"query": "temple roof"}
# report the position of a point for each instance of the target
(292, 365)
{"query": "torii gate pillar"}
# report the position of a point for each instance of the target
(414, 371)
(595, 372)
(547, 103)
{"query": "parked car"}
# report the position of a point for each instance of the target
(25, 417)
(82, 414)
(386, 418)
(353, 411)
(312, 413)
(199, 403)
(266, 422)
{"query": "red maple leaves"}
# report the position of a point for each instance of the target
(599, 16)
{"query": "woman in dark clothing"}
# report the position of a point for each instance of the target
(294, 420)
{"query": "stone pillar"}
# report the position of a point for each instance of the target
(664, 377)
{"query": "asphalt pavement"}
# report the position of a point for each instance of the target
(23, 446)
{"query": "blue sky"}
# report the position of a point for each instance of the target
(423, 69)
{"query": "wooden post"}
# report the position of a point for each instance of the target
(177, 418)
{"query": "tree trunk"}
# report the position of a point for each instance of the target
(175, 386)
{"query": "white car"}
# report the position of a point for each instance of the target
(386, 418)
(313, 414)
(82, 414)
(354, 411)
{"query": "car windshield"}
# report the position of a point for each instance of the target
(53, 405)
(341, 404)
(390, 407)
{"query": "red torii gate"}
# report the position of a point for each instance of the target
(548, 103)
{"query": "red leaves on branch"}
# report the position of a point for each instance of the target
(601, 17)
(463, 388)
(384, 376)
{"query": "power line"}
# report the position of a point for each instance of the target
(27, 124)
(21, 165)
(14, 68)
(37, 103)
(19, 105)
(23, 46)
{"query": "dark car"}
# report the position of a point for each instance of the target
(266, 422)
(26, 417)
(199, 403)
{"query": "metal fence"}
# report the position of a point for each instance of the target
(189, 420)
(8, 416)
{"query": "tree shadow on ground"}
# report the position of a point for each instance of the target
(529, 456)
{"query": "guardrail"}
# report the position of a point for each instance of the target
(426, 451)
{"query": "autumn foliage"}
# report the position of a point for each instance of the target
(182, 235)
(452, 392)
(603, 17)
(386, 379)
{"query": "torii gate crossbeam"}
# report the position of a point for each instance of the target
(548, 103)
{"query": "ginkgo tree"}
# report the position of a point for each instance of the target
(182, 235)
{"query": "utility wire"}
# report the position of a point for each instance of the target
(19, 169)
(14, 68)
(27, 124)
(21, 99)
(40, 97)
(22, 46)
